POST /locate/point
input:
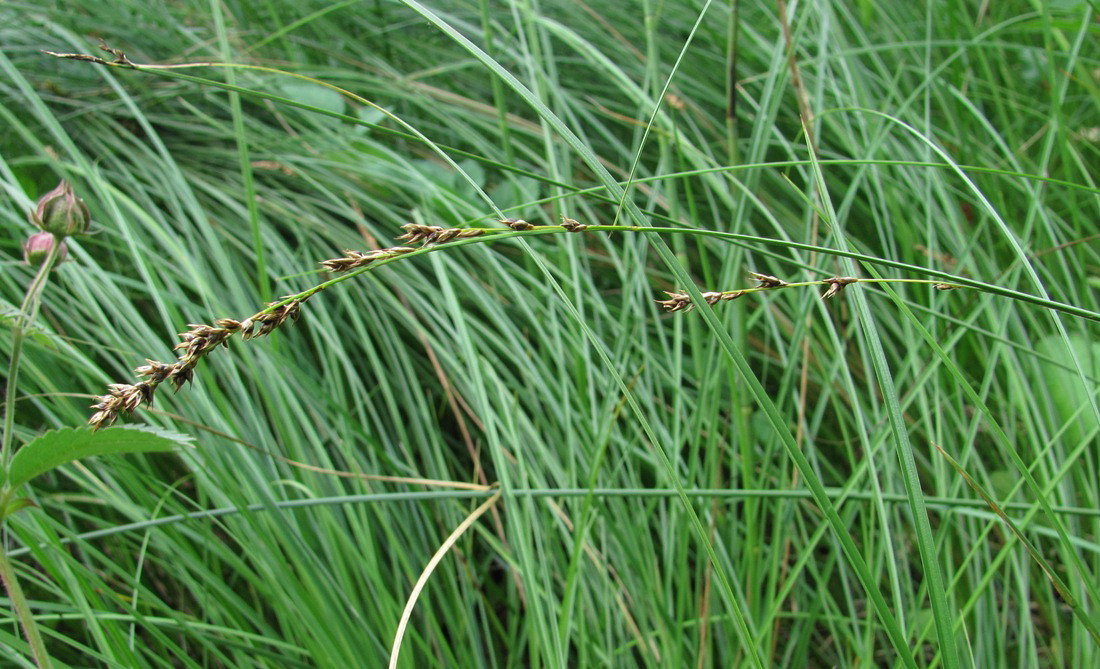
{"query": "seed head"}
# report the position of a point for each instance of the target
(571, 225)
(414, 232)
(434, 234)
(836, 285)
(356, 259)
(517, 224)
(767, 281)
(682, 301)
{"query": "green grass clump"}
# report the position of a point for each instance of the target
(497, 448)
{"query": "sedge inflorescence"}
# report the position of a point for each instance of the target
(682, 301)
(201, 339)
(194, 345)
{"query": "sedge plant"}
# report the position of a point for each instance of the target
(657, 506)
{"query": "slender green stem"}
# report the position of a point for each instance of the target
(27, 311)
(825, 282)
(733, 34)
(172, 72)
(23, 611)
(244, 160)
(496, 234)
(975, 507)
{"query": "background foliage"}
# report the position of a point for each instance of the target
(544, 365)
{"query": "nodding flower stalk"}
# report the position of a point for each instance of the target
(58, 214)
(200, 339)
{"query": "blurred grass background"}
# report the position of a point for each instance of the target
(545, 366)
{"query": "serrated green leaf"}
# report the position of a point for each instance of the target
(58, 447)
(8, 314)
(15, 506)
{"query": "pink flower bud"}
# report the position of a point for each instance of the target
(61, 212)
(38, 246)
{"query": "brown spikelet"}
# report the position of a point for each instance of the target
(571, 225)
(676, 302)
(200, 339)
(156, 371)
(356, 259)
(434, 234)
(517, 224)
(682, 301)
(194, 344)
(414, 232)
(351, 260)
(767, 281)
(836, 285)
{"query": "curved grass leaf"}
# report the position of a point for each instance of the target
(1068, 397)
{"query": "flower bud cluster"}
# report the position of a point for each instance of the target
(265, 322)
(571, 225)
(58, 214)
(61, 213)
(517, 224)
(836, 285)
